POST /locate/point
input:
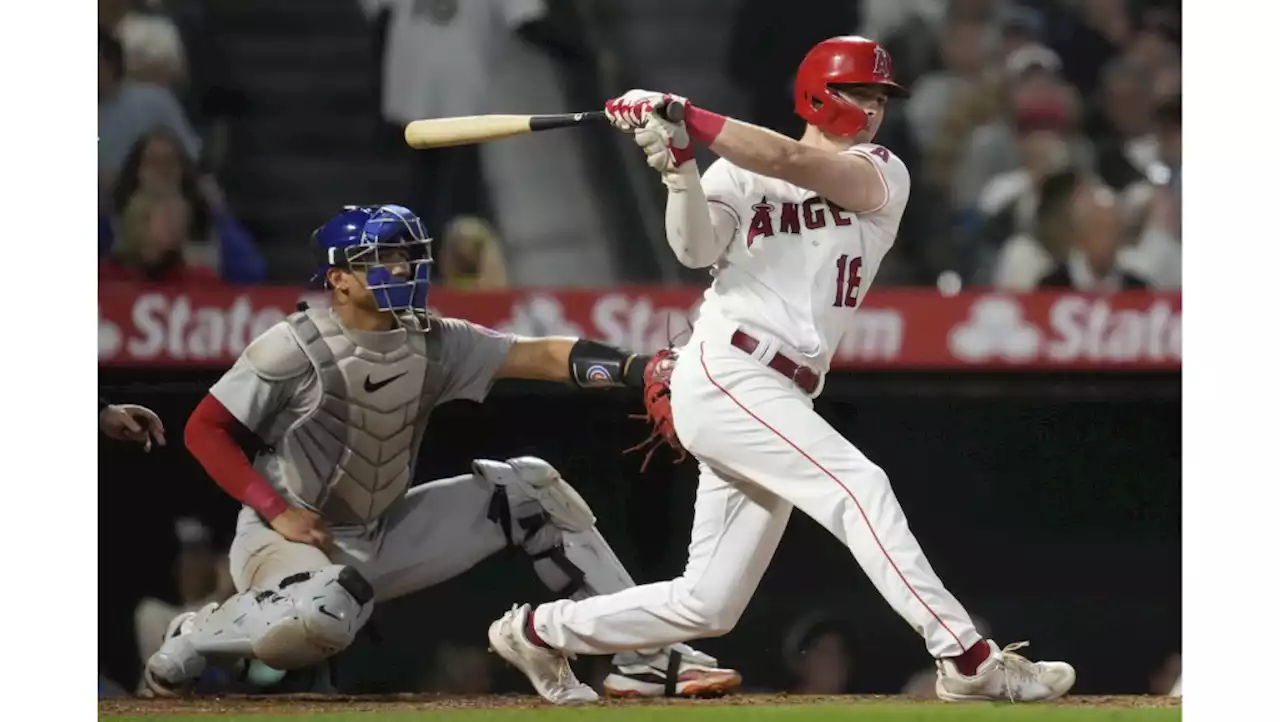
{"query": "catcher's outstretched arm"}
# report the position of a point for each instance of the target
(583, 362)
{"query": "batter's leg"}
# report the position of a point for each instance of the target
(733, 411)
(445, 527)
(736, 530)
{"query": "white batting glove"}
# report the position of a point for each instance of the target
(629, 111)
(666, 145)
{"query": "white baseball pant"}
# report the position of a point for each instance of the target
(762, 450)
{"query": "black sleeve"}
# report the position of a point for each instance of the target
(598, 365)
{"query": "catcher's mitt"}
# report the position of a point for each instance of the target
(657, 406)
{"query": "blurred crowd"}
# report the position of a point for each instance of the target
(162, 215)
(1044, 136)
(163, 126)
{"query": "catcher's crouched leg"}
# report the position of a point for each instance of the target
(309, 618)
(552, 523)
(542, 514)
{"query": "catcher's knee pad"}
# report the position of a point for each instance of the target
(323, 613)
(530, 479)
(557, 527)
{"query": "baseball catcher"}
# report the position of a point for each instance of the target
(332, 405)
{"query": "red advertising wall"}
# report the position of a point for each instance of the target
(897, 329)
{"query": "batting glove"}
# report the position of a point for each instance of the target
(629, 111)
(666, 145)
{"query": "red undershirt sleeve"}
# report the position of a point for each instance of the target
(213, 437)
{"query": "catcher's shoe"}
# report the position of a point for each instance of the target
(172, 669)
(1005, 676)
(677, 672)
(547, 669)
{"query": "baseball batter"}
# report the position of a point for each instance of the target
(332, 405)
(794, 232)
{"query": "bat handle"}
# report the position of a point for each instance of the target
(671, 111)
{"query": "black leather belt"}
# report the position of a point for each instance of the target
(803, 376)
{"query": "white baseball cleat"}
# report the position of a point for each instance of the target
(652, 675)
(1005, 676)
(547, 669)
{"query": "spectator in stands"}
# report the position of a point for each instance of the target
(158, 165)
(464, 39)
(168, 42)
(128, 110)
(1095, 240)
(817, 653)
(1153, 48)
(152, 244)
(1026, 257)
(909, 29)
(153, 47)
(472, 255)
(882, 19)
(1122, 124)
(965, 49)
(1158, 252)
(1096, 34)
(1009, 201)
(1020, 26)
(1030, 77)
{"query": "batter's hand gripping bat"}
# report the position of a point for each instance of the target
(466, 130)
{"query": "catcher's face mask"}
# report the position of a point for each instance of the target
(398, 275)
(387, 249)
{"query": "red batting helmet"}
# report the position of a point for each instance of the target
(844, 60)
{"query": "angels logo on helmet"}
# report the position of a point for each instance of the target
(883, 69)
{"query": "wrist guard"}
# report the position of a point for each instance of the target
(595, 365)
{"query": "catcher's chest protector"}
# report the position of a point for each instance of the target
(353, 455)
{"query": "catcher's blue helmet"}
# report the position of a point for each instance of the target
(389, 244)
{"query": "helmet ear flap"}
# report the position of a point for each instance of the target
(829, 112)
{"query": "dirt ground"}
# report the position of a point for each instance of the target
(314, 704)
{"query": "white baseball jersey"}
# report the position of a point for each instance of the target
(799, 265)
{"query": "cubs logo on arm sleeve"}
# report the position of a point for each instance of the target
(263, 379)
(471, 356)
(894, 176)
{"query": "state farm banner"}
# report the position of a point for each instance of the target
(141, 326)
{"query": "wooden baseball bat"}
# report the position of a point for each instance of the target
(465, 130)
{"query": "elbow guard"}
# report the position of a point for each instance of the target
(595, 365)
